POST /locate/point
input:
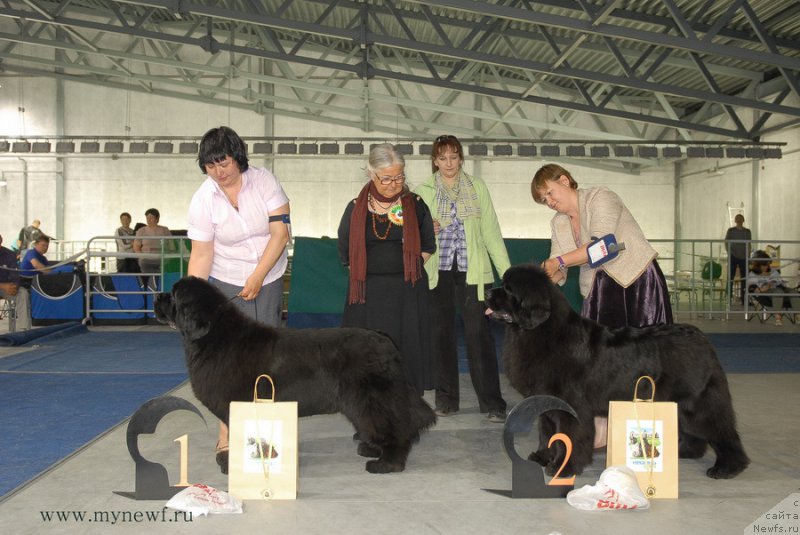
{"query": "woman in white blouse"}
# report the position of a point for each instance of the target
(238, 224)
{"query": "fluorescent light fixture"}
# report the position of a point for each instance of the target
(307, 148)
(41, 146)
(648, 152)
(576, 151)
(623, 151)
(478, 149)
(550, 151)
(188, 148)
(353, 148)
(137, 147)
(162, 147)
(329, 148)
(405, 148)
(90, 146)
(64, 147)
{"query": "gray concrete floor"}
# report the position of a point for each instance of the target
(442, 488)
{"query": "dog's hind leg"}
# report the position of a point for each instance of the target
(690, 446)
(716, 422)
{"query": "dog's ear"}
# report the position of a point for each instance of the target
(194, 322)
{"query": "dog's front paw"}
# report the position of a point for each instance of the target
(382, 467)
(540, 457)
(222, 460)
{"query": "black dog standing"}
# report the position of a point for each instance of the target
(551, 349)
(357, 372)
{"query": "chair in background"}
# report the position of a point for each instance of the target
(8, 309)
(712, 281)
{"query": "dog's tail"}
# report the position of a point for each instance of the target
(422, 415)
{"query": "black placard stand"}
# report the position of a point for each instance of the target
(528, 477)
(152, 479)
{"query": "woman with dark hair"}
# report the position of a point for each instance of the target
(239, 227)
(468, 243)
(385, 237)
(763, 283)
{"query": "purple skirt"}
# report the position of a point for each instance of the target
(645, 302)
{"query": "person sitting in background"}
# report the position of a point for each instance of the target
(151, 265)
(35, 260)
(125, 245)
(762, 281)
(10, 287)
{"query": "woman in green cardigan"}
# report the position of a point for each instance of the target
(468, 242)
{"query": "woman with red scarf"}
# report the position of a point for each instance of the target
(385, 237)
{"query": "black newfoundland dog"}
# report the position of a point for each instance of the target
(357, 372)
(550, 349)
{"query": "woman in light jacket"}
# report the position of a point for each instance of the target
(468, 243)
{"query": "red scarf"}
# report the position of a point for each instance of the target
(412, 250)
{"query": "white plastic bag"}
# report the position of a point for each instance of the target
(616, 489)
(201, 500)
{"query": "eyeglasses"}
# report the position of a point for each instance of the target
(386, 180)
(446, 137)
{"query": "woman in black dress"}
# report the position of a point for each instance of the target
(385, 237)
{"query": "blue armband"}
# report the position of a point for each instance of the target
(280, 217)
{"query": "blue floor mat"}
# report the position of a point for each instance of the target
(55, 399)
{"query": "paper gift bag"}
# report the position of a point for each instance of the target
(262, 458)
(643, 435)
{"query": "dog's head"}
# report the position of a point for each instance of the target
(190, 307)
(524, 298)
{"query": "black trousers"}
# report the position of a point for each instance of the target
(451, 291)
(733, 263)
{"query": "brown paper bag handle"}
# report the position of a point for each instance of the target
(257, 399)
(636, 389)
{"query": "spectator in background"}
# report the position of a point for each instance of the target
(35, 260)
(763, 283)
(151, 229)
(125, 245)
(10, 287)
(738, 253)
(28, 235)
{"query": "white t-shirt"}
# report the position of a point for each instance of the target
(240, 237)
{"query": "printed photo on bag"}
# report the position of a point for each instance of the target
(644, 446)
(263, 444)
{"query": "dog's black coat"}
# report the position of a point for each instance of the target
(357, 372)
(550, 349)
